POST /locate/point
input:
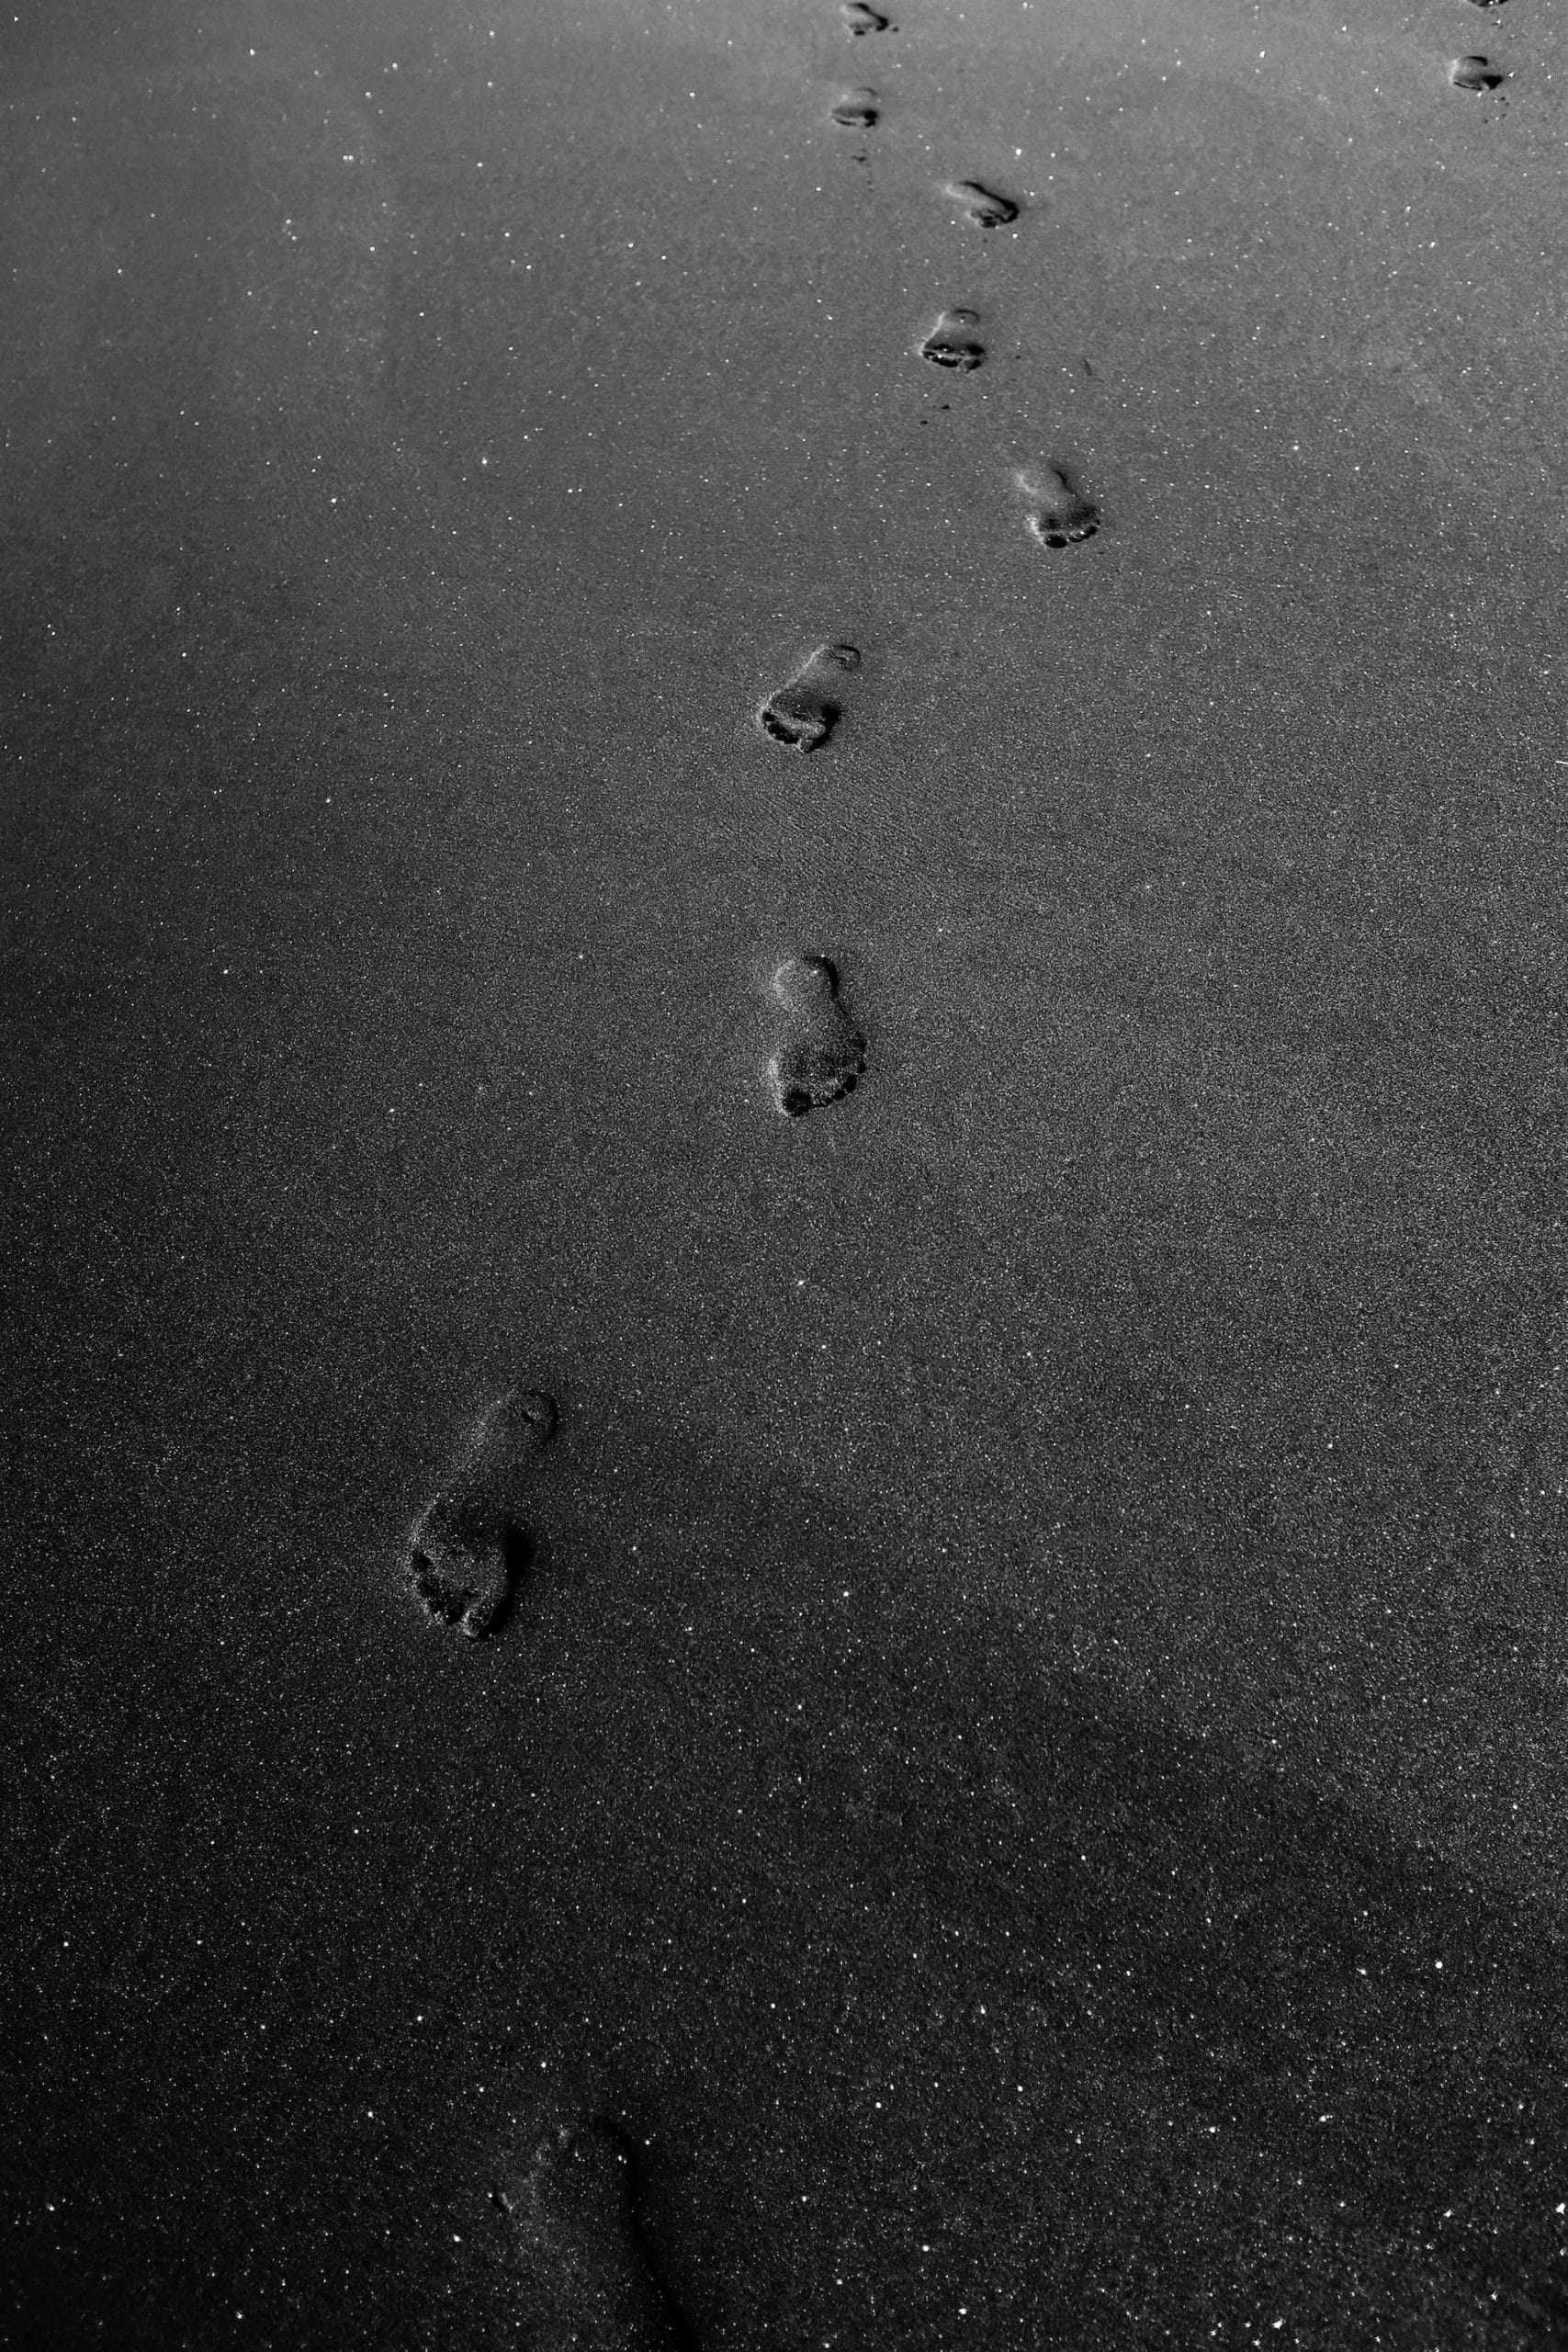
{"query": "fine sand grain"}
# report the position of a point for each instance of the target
(1012, 1793)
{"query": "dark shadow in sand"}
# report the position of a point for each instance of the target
(1127, 2035)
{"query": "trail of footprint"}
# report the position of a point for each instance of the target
(950, 342)
(857, 109)
(823, 1052)
(1474, 74)
(801, 713)
(981, 205)
(859, 20)
(1061, 515)
(588, 2285)
(468, 1548)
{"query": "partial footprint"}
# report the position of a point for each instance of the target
(801, 713)
(1474, 74)
(859, 20)
(823, 1052)
(950, 344)
(1060, 516)
(857, 109)
(587, 2282)
(982, 204)
(468, 1546)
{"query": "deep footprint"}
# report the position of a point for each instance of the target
(468, 1547)
(588, 2285)
(982, 204)
(950, 344)
(859, 19)
(823, 1053)
(857, 109)
(1474, 74)
(1061, 514)
(801, 713)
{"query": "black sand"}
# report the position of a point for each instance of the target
(1023, 1776)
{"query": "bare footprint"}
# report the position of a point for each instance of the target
(1474, 74)
(982, 204)
(857, 109)
(823, 1052)
(859, 20)
(587, 2282)
(951, 345)
(1060, 516)
(801, 713)
(468, 1547)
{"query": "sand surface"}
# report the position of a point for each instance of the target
(1024, 1772)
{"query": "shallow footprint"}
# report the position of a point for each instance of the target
(801, 713)
(1474, 74)
(1061, 515)
(859, 19)
(468, 1547)
(982, 204)
(823, 1053)
(588, 2285)
(950, 342)
(857, 109)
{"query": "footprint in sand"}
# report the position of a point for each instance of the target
(587, 2282)
(1474, 74)
(857, 109)
(951, 343)
(1060, 516)
(981, 205)
(468, 1547)
(801, 713)
(823, 1052)
(859, 20)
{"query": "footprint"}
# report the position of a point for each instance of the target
(1474, 74)
(823, 1053)
(982, 204)
(468, 1548)
(801, 713)
(857, 109)
(588, 2285)
(1062, 515)
(859, 20)
(950, 342)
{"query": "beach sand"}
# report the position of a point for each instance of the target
(1012, 1789)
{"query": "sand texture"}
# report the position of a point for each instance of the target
(785, 1096)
